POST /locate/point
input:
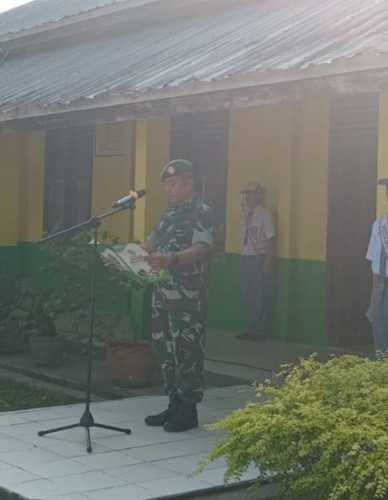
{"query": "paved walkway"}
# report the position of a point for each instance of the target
(148, 464)
(251, 359)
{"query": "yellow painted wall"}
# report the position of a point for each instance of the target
(21, 187)
(32, 201)
(382, 170)
(260, 148)
(145, 143)
(152, 152)
(113, 173)
(310, 182)
(139, 228)
(10, 172)
(285, 147)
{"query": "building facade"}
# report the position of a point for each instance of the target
(312, 134)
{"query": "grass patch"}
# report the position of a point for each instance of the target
(19, 396)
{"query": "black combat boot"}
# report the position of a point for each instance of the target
(161, 418)
(183, 418)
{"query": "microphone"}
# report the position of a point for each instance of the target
(129, 200)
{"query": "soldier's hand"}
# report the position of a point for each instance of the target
(158, 261)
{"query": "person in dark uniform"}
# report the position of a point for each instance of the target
(181, 243)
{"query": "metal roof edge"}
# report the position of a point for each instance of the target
(321, 74)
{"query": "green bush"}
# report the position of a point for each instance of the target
(321, 431)
(59, 285)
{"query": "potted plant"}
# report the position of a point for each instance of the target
(57, 286)
(13, 337)
(64, 288)
(33, 312)
(131, 363)
(129, 359)
(45, 343)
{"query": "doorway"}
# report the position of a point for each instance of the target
(352, 209)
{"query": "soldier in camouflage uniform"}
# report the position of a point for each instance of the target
(181, 242)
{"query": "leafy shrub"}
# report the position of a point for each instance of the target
(61, 285)
(323, 432)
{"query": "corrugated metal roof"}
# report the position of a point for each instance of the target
(43, 12)
(252, 37)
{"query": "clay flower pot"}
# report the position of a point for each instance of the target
(131, 364)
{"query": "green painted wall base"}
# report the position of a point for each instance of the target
(300, 314)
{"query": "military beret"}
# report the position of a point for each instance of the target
(176, 167)
(383, 182)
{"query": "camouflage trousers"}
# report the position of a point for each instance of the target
(179, 342)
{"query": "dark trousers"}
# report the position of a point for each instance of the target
(258, 293)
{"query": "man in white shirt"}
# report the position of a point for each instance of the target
(256, 261)
(378, 255)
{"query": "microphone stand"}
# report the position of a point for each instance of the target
(87, 420)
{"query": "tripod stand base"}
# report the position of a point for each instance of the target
(86, 421)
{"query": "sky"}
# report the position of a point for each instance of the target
(10, 4)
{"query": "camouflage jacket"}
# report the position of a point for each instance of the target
(180, 227)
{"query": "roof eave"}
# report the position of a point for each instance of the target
(364, 72)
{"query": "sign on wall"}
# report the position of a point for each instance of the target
(110, 140)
